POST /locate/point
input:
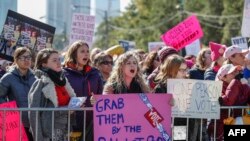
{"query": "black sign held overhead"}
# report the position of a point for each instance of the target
(22, 31)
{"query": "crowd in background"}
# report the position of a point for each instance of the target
(84, 73)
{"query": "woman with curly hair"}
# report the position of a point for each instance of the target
(126, 76)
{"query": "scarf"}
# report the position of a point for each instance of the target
(57, 77)
(85, 70)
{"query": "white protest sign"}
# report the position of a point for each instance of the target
(155, 46)
(240, 41)
(195, 98)
(245, 32)
(76, 102)
(82, 28)
(193, 48)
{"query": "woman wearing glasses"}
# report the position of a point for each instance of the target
(104, 63)
(16, 83)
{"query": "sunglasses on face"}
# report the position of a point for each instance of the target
(107, 63)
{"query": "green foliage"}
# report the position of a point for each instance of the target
(146, 20)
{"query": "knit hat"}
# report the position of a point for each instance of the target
(217, 50)
(233, 50)
(189, 63)
(226, 69)
(165, 51)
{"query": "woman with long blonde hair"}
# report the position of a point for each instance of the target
(126, 76)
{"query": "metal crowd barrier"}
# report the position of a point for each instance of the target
(37, 110)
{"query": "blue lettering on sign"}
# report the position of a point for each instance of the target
(133, 129)
(110, 119)
(115, 130)
(149, 138)
(104, 139)
(105, 104)
(153, 138)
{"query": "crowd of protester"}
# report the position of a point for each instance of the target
(51, 83)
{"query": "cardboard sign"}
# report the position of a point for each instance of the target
(195, 98)
(240, 41)
(82, 28)
(11, 121)
(22, 31)
(183, 34)
(245, 32)
(155, 46)
(193, 48)
(132, 117)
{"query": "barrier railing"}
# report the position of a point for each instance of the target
(84, 110)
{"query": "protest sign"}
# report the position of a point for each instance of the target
(22, 31)
(82, 28)
(195, 98)
(132, 117)
(76, 102)
(183, 34)
(240, 41)
(155, 46)
(127, 45)
(245, 32)
(193, 48)
(10, 123)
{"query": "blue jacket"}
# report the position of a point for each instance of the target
(196, 73)
(15, 87)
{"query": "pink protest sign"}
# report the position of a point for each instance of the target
(11, 123)
(184, 33)
(130, 117)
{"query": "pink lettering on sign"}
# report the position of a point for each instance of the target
(184, 33)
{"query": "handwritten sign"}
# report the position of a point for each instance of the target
(11, 121)
(195, 98)
(240, 41)
(245, 32)
(82, 28)
(155, 46)
(184, 33)
(127, 117)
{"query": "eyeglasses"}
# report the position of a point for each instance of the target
(183, 70)
(22, 58)
(107, 63)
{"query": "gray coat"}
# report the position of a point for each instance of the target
(43, 94)
(15, 87)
